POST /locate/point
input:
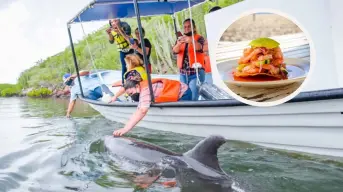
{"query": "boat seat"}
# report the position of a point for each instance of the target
(209, 91)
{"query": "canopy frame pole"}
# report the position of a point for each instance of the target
(145, 59)
(75, 60)
(175, 28)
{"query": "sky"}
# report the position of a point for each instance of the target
(36, 29)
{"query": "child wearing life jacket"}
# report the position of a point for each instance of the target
(136, 71)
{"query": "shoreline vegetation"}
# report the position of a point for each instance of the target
(15, 90)
(44, 79)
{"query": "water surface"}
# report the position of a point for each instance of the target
(41, 150)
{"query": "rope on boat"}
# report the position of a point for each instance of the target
(90, 53)
(197, 65)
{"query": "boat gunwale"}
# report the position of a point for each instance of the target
(327, 94)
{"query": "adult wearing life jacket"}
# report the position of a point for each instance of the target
(120, 34)
(186, 57)
(164, 90)
(136, 71)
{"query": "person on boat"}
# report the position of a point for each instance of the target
(120, 34)
(136, 71)
(164, 90)
(207, 63)
(91, 88)
(186, 57)
(138, 47)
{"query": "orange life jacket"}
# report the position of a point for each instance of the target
(199, 56)
(170, 89)
(207, 64)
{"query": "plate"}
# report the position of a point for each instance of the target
(297, 72)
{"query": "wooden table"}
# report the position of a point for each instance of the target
(264, 94)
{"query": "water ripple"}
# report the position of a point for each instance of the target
(43, 151)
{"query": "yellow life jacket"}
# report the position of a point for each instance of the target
(120, 41)
(141, 71)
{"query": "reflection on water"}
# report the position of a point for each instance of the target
(55, 108)
(41, 150)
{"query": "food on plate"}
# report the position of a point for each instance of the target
(264, 59)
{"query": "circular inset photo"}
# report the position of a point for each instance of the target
(263, 57)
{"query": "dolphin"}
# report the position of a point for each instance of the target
(195, 170)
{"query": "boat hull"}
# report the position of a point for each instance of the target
(312, 126)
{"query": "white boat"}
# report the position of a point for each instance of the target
(312, 122)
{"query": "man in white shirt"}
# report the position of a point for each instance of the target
(91, 87)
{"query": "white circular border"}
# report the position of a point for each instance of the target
(312, 59)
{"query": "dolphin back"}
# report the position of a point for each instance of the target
(206, 150)
(135, 149)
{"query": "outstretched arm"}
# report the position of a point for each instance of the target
(70, 107)
(142, 110)
(135, 118)
(82, 73)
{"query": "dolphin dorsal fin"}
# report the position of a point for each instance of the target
(206, 150)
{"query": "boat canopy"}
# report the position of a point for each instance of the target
(99, 10)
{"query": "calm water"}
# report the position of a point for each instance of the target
(41, 150)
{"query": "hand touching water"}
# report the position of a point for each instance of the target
(120, 132)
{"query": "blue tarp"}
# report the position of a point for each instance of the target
(108, 9)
